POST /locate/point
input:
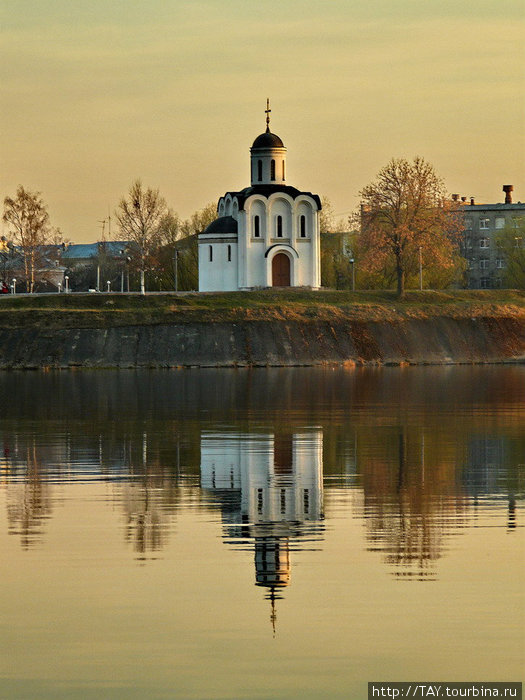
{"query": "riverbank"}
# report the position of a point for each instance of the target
(267, 327)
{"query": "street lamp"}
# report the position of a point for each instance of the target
(66, 278)
(14, 285)
(420, 271)
(59, 287)
(353, 273)
(109, 285)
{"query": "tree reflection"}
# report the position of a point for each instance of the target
(28, 496)
(413, 499)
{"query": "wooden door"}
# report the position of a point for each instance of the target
(281, 270)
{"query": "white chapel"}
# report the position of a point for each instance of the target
(266, 235)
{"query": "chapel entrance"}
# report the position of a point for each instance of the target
(281, 270)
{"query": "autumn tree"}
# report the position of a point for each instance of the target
(510, 242)
(28, 221)
(139, 216)
(404, 214)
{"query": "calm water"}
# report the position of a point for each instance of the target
(260, 534)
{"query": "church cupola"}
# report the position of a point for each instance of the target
(268, 157)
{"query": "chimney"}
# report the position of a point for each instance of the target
(472, 201)
(455, 197)
(508, 193)
(463, 199)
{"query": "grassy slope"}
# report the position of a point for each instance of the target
(105, 310)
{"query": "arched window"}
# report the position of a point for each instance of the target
(256, 226)
(279, 226)
(283, 171)
(211, 253)
(272, 170)
(229, 253)
(302, 224)
(259, 170)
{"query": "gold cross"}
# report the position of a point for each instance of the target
(267, 110)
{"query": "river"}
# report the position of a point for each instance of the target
(268, 533)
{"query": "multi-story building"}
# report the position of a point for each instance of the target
(485, 261)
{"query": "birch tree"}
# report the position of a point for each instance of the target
(28, 221)
(139, 216)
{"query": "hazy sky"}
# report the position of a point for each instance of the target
(97, 93)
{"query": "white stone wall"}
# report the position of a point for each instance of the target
(304, 252)
(218, 274)
(278, 155)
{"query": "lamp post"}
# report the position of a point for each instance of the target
(66, 279)
(59, 287)
(420, 271)
(353, 273)
(14, 285)
(175, 261)
(109, 285)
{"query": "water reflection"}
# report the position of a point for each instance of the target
(423, 453)
(412, 501)
(269, 487)
(29, 500)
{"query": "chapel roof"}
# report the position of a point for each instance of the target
(224, 224)
(267, 140)
(267, 190)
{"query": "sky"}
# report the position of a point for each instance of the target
(97, 93)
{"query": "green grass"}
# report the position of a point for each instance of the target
(104, 310)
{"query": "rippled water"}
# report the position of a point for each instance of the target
(283, 533)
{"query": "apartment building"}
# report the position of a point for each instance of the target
(486, 263)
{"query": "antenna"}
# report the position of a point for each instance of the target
(103, 222)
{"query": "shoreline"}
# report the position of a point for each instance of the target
(267, 328)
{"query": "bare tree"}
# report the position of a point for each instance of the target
(28, 221)
(139, 217)
(405, 218)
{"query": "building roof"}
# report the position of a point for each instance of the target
(224, 224)
(267, 140)
(268, 190)
(82, 251)
(515, 206)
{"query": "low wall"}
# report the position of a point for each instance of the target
(438, 340)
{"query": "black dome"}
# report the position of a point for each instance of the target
(224, 224)
(268, 140)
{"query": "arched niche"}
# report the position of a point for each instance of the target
(280, 207)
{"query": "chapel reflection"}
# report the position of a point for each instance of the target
(270, 490)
